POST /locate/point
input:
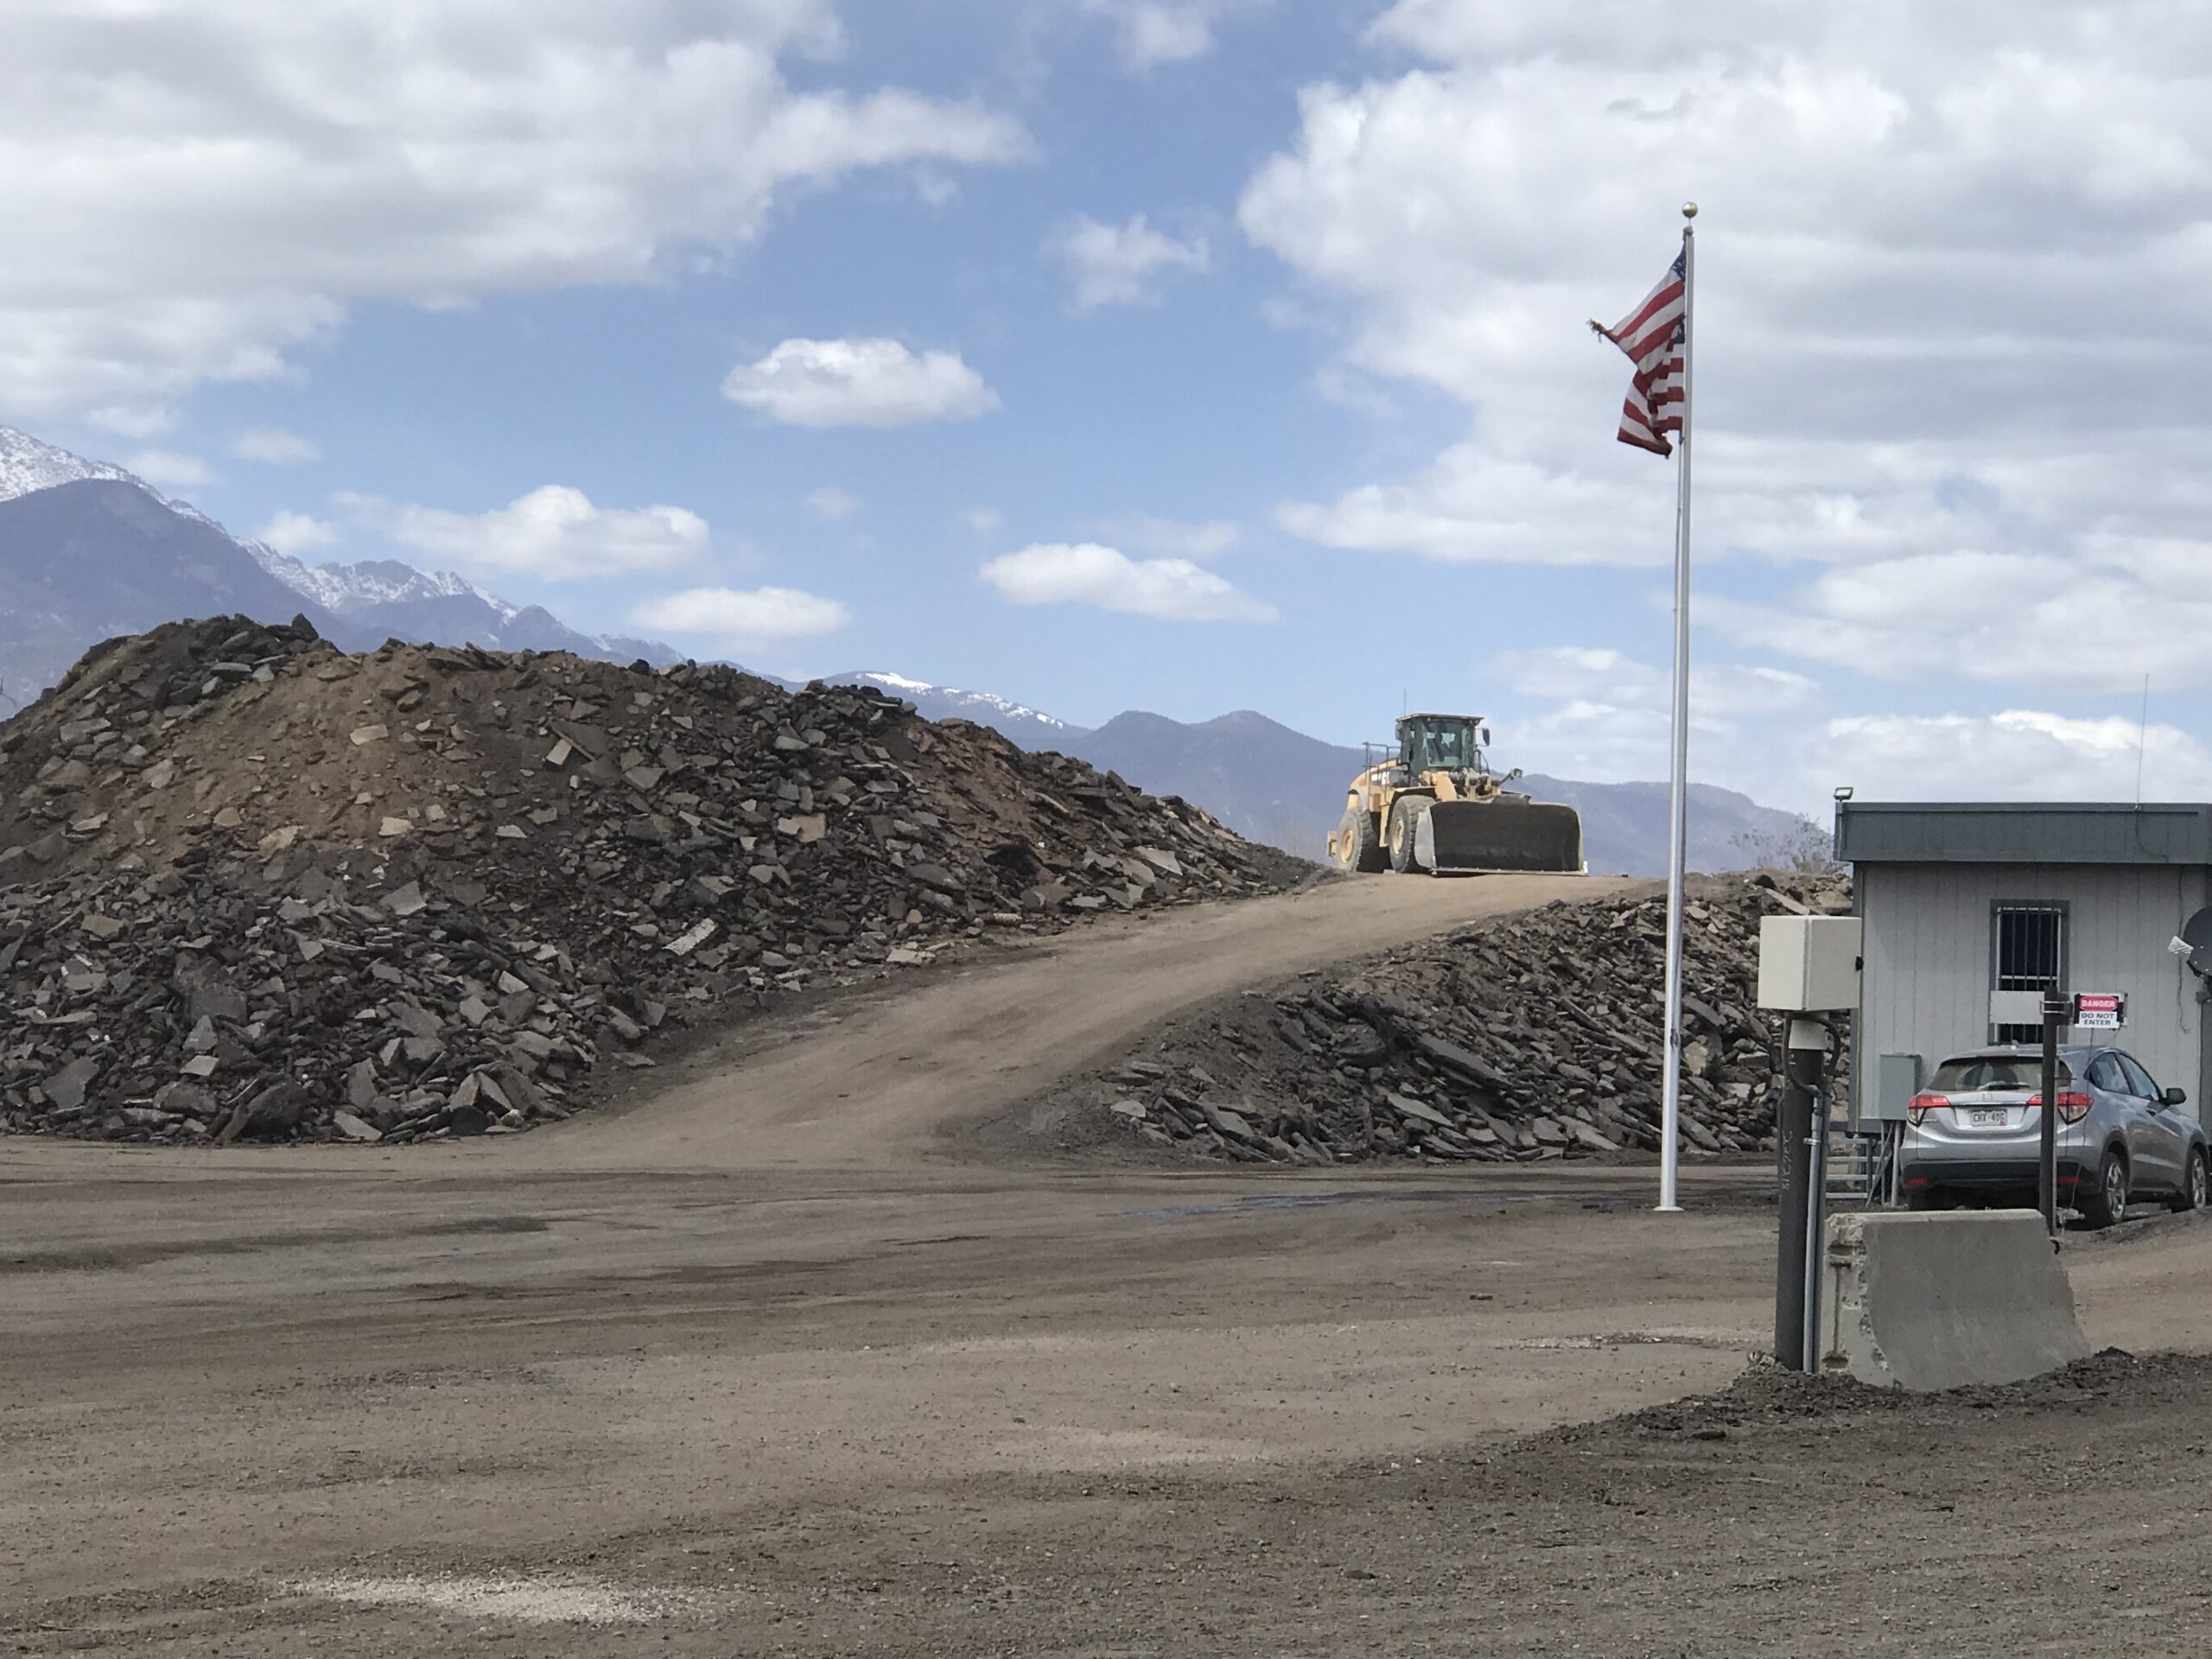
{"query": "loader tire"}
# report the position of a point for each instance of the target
(1359, 850)
(1405, 819)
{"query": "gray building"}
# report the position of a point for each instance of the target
(1972, 910)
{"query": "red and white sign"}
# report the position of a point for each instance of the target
(2101, 1011)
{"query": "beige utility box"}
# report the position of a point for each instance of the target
(1809, 964)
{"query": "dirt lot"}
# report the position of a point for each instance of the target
(684, 1389)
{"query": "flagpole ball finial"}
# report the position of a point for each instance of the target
(1690, 210)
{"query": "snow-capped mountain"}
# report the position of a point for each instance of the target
(376, 599)
(1031, 727)
(27, 463)
(347, 588)
(92, 557)
(88, 550)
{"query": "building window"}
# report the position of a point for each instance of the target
(2029, 956)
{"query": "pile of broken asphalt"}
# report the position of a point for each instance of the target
(253, 888)
(1532, 1037)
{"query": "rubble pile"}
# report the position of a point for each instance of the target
(252, 888)
(1539, 1036)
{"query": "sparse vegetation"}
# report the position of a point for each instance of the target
(1805, 849)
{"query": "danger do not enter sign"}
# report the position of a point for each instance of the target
(2099, 1011)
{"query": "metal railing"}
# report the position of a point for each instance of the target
(1859, 1168)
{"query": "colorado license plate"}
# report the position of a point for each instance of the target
(1989, 1117)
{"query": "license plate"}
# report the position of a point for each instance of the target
(1989, 1117)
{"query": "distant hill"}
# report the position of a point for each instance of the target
(1269, 783)
(1256, 775)
(1031, 727)
(87, 560)
(88, 551)
(377, 600)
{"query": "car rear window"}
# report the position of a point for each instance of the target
(1979, 1072)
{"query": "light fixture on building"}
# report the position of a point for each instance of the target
(1843, 791)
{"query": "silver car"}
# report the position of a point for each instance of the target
(1974, 1132)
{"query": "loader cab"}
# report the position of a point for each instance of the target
(1441, 743)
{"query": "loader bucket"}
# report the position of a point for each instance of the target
(1466, 837)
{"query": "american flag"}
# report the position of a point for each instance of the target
(1655, 336)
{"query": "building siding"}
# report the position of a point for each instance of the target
(1929, 956)
(1988, 832)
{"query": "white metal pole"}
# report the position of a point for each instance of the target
(1670, 1142)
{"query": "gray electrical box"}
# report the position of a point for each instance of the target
(1897, 1080)
(1809, 964)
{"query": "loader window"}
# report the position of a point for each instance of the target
(1441, 748)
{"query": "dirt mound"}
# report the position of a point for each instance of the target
(1768, 1401)
(254, 886)
(1536, 1037)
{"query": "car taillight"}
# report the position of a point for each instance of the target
(2072, 1105)
(1921, 1105)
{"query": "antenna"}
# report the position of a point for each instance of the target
(2142, 738)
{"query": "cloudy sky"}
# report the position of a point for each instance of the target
(1191, 355)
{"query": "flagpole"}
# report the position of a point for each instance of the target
(1670, 1145)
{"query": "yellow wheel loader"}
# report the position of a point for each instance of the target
(1435, 806)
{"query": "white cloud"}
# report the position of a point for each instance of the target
(554, 532)
(171, 470)
(1876, 365)
(197, 192)
(1085, 572)
(296, 533)
(984, 521)
(273, 446)
(1776, 736)
(867, 382)
(1608, 717)
(1119, 264)
(2015, 755)
(1583, 672)
(1176, 537)
(1150, 33)
(1474, 506)
(741, 617)
(831, 503)
(133, 420)
(1339, 383)
(2089, 624)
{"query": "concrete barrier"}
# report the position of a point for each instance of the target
(1944, 1300)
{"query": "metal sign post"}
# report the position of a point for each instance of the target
(1809, 969)
(1793, 1157)
(2057, 1010)
(1816, 1212)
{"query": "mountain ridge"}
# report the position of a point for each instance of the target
(89, 551)
(139, 558)
(1270, 782)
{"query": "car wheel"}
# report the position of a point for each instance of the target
(2106, 1201)
(2196, 1186)
(1920, 1198)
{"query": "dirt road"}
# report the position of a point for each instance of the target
(1027, 1413)
(874, 1079)
(550, 1397)
(217, 1392)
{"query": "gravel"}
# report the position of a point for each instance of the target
(252, 888)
